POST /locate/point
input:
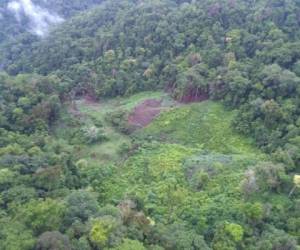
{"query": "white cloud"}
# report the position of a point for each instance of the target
(40, 19)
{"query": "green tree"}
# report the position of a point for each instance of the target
(228, 236)
(15, 236)
(177, 236)
(53, 241)
(253, 211)
(270, 176)
(101, 229)
(273, 238)
(41, 216)
(80, 205)
(130, 245)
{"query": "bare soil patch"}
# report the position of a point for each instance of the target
(194, 95)
(90, 100)
(145, 113)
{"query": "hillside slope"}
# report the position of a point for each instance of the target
(158, 125)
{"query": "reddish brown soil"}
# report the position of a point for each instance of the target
(194, 95)
(190, 97)
(191, 94)
(144, 113)
(90, 100)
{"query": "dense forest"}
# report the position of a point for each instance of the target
(139, 124)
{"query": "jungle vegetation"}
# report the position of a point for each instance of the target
(138, 124)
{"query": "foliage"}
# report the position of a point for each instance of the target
(53, 241)
(130, 245)
(272, 238)
(81, 205)
(218, 168)
(42, 216)
(203, 125)
(15, 236)
(92, 134)
(228, 236)
(101, 230)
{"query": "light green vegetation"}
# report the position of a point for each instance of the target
(187, 167)
(205, 125)
(191, 163)
(191, 159)
(219, 174)
(94, 114)
(98, 111)
(159, 176)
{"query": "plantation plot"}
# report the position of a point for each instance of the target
(110, 115)
(191, 164)
(143, 114)
(205, 125)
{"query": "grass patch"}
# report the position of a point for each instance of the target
(153, 175)
(205, 125)
(187, 138)
(156, 176)
(90, 114)
(99, 110)
(181, 142)
(95, 113)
